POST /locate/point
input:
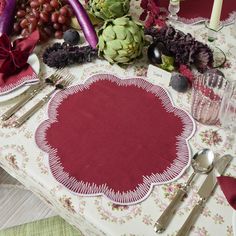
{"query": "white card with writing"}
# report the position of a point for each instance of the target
(162, 77)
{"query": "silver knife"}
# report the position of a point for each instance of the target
(204, 192)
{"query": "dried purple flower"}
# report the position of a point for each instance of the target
(60, 55)
(184, 47)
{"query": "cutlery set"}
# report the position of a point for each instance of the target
(202, 163)
(59, 80)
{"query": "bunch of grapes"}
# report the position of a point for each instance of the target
(50, 17)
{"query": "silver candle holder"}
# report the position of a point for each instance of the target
(212, 35)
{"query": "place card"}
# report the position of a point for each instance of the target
(160, 75)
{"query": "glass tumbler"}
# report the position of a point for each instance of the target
(173, 8)
(228, 107)
(207, 94)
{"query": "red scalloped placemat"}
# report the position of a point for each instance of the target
(200, 10)
(115, 137)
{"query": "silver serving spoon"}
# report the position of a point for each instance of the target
(202, 162)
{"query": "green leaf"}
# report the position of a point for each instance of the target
(129, 37)
(117, 9)
(108, 33)
(101, 43)
(110, 52)
(119, 31)
(114, 44)
(121, 21)
(122, 52)
(167, 60)
(137, 38)
(108, 59)
(133, 28)
(121, 59)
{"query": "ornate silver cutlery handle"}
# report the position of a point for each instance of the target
(35, 89)
(204, 193)
(33, 110)
(168, 213)
(31, 93)
(196, 211)
(61, 85)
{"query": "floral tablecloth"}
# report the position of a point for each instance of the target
(21, 157)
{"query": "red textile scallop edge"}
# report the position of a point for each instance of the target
(197, 20)
(228, 21)
(24, 80)
(143, 190)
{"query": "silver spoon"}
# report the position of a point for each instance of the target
(202, 162)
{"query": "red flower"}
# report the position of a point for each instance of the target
(144, 4)
(143, 16)
(152, 14)
(160, 22)
(149, 22)
(184, 70)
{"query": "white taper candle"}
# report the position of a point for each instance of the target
(215, 14)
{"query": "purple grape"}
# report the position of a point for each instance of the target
(71, 37)
(179, 82)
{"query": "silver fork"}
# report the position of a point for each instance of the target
(30, 93)
(62, 84)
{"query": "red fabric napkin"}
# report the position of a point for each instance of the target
(117, 137)
(228, 186)
(194, 11)
(14, 68)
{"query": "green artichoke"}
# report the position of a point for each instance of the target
(121, 40)
(109, 9)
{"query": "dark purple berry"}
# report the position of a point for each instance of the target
(71, 37)
(179, 82)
